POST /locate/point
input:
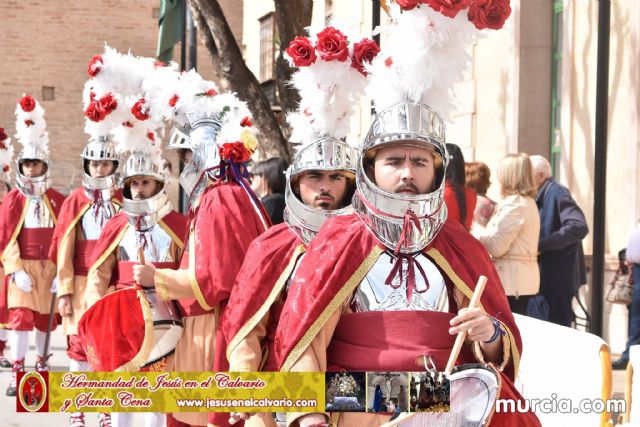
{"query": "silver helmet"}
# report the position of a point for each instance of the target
(36, 186)
(407, 223)
(200, 138)
(144, 214)
(326, 153)
(99, 149)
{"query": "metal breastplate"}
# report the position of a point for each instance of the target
(38, 215)
(95, 218)
(374, 295)
(156, 242)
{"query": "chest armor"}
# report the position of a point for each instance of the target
(38, 215)
(95, 218)
(374, 295)
(156, 242)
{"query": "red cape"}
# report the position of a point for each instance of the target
(70, 213)
(344, 251)
(175, 221)
(226, 222)
(267, 265)
(12, 207)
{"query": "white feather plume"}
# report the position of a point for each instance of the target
(424, 53)
(6, 157)
(329, 93)
(31, 127)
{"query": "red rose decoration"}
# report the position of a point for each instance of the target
(332, 45)
(489, 13)
(29, 123)
(235, 152)
(3, 135)
(139, 110)
(449, 8)
(2, 146)
(301, 52)
(210, 92)
(151, 136)
(27, 103)
(5, 168)
(94, 112)
(408, 4)
(108, 104)
(246, 122)
(174, 100)
(95, 65)
(364, 51)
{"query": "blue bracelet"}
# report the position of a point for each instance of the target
(497, 331)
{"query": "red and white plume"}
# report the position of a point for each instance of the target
(331, 78)
(31, 127)
(6, 156)
(425, 49)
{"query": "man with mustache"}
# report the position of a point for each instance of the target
(388, 288)
(320, 185)
(29, 214)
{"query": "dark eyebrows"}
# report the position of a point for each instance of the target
(395, 158)
(419, 159)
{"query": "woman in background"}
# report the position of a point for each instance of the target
(268, 181)
(460, 200)
(511, 237)
(477, 175)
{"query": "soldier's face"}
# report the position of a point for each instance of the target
(101, 168)
(143, 187)
(322, 189)
(404, 169)
(33, 168)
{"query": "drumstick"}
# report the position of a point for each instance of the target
(475, 299)
(141, 255)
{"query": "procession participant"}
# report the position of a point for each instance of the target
(131, 329)
(6, 158)
(396, 265)
(224, 217)
(320, 184)
(29, 213)
(82, 216)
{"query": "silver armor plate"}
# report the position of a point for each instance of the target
(38, 215)
(157, 249)
(374, 295)
(93, 221)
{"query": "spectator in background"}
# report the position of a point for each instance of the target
(633, 260)
(460, 200)
(477, 175)
(560, 256)
(511, 237)
(269, 182)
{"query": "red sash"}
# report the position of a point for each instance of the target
(82, 257)
(392, 341)
(124, 272)
(34, 243)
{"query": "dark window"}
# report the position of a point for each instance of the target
(267, 30)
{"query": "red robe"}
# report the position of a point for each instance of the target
(269, 263)
(13, 206)
(339, 258)
(123, 341)
(74, 206)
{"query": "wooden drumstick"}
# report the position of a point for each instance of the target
(141, 255)
(462, 335)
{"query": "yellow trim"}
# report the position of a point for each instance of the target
(71, 227)
(141, 358)
(335, 303)
(440, 260)
(171, 234)
(191, 274)
(14, 236)
(264, 308)
(51, 211)
(161, 287)
(110, 249)
(607, 382)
